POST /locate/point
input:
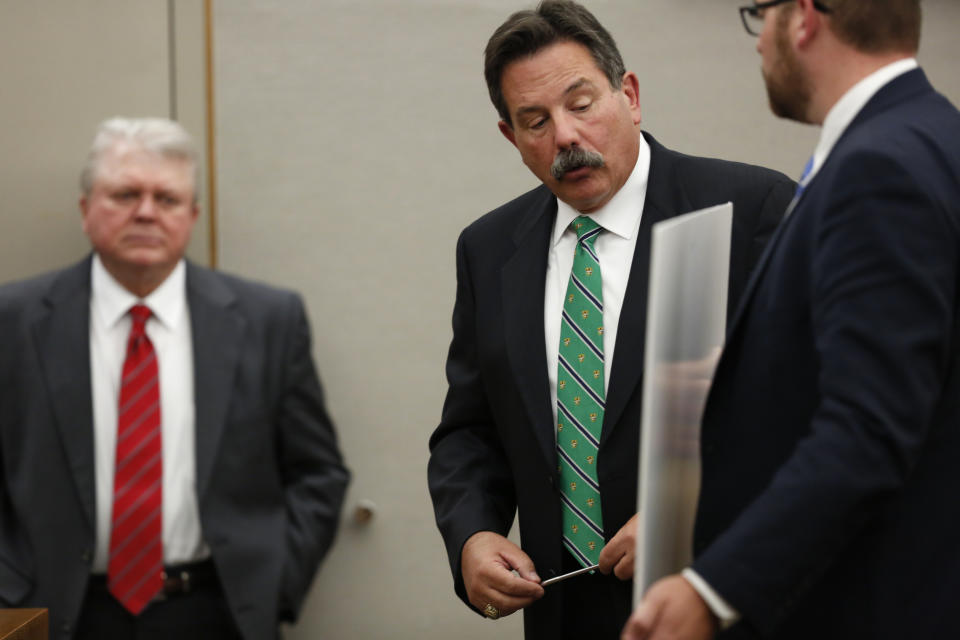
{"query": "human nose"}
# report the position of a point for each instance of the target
(146, 207)
(566, 131)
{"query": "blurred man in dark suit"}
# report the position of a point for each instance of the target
(167, 467)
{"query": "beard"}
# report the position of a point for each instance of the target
(788, 86)
(574, 158)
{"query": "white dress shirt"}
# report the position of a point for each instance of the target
(846, 109)
(620, 219)
(169, 331)
(838, 119)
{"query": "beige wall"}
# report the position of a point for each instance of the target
(355, 140)
(68, 65)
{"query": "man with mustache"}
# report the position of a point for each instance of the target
(543, 409)
(167, 466)
(830, 438)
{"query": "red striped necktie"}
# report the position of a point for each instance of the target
(136, 543)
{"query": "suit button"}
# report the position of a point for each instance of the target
(65, 627)
(85, 556)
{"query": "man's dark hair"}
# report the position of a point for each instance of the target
(527, 32)
(877, 26)
(874, 26)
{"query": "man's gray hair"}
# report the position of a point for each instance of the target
(156, 135)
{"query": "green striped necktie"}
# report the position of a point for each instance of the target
(581, 398)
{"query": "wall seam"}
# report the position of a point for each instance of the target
(211, 136)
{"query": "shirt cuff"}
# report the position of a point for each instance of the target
(726, 615)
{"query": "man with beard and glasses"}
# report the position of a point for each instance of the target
(540, 419)
(830, 438)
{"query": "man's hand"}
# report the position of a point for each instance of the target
(487, 562)
(671, 610)
(617, 555)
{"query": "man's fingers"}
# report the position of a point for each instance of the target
(506, 582)
(506, 592)
(640, 623)
(505, 604)
(520, 561)
(624, 568)
(608, 559)
(619, 551)
(671, 608)
(488, 561)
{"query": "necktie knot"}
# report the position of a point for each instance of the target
(586, 228)
(139, 313)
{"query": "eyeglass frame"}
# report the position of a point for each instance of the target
(752, 10)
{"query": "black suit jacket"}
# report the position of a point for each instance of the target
(270, 479)
(494, 451)
(831, 436)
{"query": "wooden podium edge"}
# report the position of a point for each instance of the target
(24, 624)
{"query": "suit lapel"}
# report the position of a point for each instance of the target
(61, 337)
(904, 87)
(765, 260)
(664, 199)
(217, 333)
(523, 279)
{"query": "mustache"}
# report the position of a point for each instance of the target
(574, 158)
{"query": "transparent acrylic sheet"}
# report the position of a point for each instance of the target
(686, 321)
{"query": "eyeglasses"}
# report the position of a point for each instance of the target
(752, 15)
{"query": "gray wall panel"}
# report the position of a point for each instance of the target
(356, 140)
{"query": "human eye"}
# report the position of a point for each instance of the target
(581, 102)
(124, 195)
(536, 123)
(167, 200)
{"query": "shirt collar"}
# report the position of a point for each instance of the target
(847, 107)
(111, 301)
(622, 212)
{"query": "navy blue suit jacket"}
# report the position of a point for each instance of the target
(831, 436)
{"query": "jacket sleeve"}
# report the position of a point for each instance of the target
(883, 275)
(313, 476)
(468, 474)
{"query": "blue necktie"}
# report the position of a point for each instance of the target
(806, 172)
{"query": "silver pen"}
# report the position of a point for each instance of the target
(547, 583)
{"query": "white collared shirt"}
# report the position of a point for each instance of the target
(846, 109)
(620, 219)
(169, 331)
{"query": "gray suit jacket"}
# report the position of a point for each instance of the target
(270, 479)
